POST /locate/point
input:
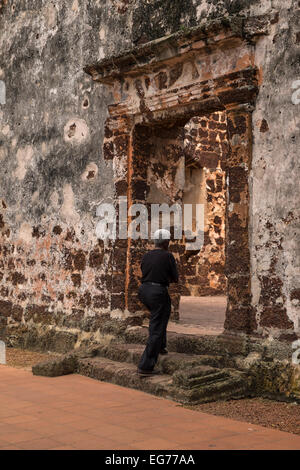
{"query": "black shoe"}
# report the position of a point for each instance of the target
(164, 351)
(148, 372)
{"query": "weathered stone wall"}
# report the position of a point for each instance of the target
(53, 173)
(53, 269)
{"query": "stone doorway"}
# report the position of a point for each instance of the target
(185, 164)
(204, 292)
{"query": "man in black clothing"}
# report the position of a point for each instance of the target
(158, 270)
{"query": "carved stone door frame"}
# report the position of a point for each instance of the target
(167, 82)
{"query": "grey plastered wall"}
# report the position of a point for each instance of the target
(275, 191)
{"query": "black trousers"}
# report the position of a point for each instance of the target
(156, 298)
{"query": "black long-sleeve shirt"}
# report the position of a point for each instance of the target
(159, 266)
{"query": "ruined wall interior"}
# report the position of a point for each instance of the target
(205, 141)
(168, 168)
(55, 170)
(158, 177)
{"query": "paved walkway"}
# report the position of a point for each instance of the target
(75, 412)
(206, 312)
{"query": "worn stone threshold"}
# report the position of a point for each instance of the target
(188, 329)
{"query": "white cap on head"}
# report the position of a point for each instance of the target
(162, 234)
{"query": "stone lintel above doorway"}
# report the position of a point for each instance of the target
(202, 39)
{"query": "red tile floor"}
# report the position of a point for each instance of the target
(75, 412)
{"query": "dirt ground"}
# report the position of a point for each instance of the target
(25, 359)
(268, 413)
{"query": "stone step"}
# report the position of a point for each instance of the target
(168, 364)
(196, 385)
(225, 345)
(124, 374)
